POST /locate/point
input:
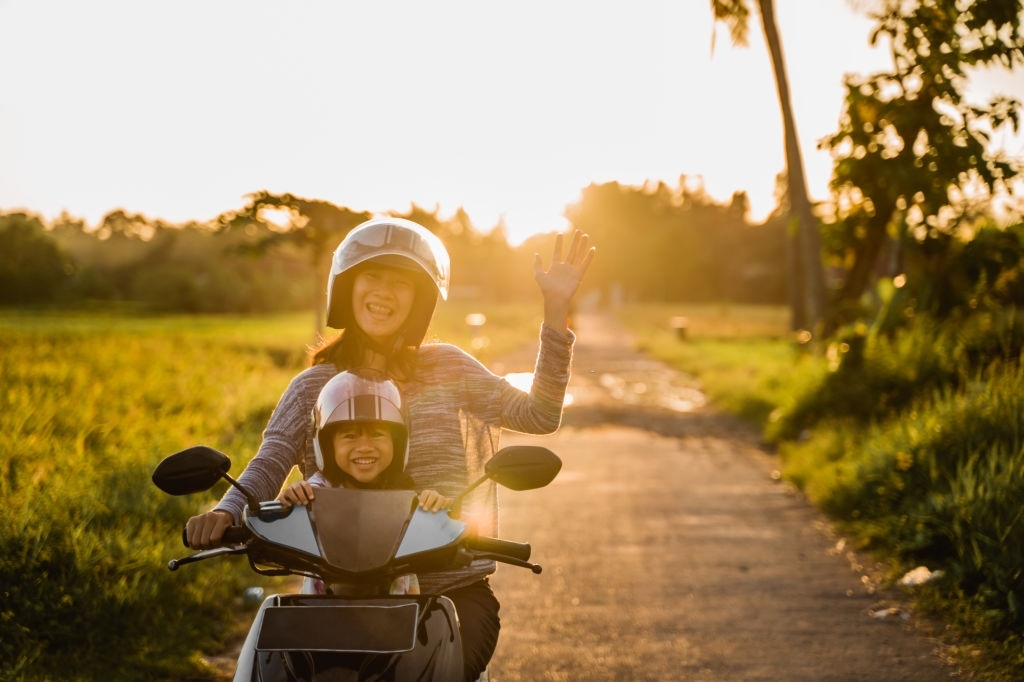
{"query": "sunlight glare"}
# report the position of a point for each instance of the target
(524, 381)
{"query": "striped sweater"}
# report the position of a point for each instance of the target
(457, 409)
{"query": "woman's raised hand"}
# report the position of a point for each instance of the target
(559, 282)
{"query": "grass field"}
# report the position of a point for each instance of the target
(90, 404)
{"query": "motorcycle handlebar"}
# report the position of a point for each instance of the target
(519, 551)
(233, 535)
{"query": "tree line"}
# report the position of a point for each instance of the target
(273, 253)
(657, 243)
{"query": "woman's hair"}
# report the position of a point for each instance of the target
(347, 349)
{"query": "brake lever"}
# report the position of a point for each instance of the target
(536, 568)
(174, 564)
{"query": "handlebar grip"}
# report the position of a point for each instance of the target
(233, 535)
(236, 535)
(516, 550)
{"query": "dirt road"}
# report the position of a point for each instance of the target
(672, 552)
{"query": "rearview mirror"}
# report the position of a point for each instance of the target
(523, 467)
(192, 470)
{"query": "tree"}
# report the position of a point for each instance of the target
(912, 157)
(808, 298)
(32, 264)
(314, 225)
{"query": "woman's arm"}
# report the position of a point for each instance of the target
(283, 447)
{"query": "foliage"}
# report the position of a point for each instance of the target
(32, 265)
(914, 164)
(273, 254)
(942, 484)
(677, 245)
(92, 403)
(188, 268)
(743, 356)
(910, 438)
(931, 333)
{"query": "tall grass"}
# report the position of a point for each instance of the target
(90, 404)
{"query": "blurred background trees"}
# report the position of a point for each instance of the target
(273, 254)
(919, 192)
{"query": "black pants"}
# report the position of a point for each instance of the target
(478, 619)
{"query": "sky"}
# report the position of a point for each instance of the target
(178, 110)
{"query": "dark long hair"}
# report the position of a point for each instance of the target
(347, 349)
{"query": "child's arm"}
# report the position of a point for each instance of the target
(432, 501)
(300, 492)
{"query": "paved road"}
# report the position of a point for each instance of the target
(672, 552)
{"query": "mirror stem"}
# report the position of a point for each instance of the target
(457, 503)
(254, 504)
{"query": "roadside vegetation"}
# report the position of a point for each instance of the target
(912, 442)
(91, 403)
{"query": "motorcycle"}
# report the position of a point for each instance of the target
(357, 542)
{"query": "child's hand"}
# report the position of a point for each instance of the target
(300, 492)
(433, 501)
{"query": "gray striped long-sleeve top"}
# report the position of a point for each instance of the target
(456, 409)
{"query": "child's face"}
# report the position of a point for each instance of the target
(363, 450)
(382, 298)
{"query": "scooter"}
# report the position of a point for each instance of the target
(357, 542)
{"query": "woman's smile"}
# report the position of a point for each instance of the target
(382, 298)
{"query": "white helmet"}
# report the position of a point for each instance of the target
(354, 397)
(396, 242)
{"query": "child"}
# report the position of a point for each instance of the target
(358, 427)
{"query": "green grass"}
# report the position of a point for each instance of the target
(90, 404)
(931, 473)
(743, 356)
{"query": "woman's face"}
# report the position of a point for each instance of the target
(363, 450)
(382, 298)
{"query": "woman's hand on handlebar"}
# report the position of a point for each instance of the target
(207, 530)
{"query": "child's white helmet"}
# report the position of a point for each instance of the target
(357, 397)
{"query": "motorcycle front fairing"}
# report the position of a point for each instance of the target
(354, 537)
(350, 534)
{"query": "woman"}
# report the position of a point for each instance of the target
(385, 279)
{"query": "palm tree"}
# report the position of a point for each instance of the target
(807, 280)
